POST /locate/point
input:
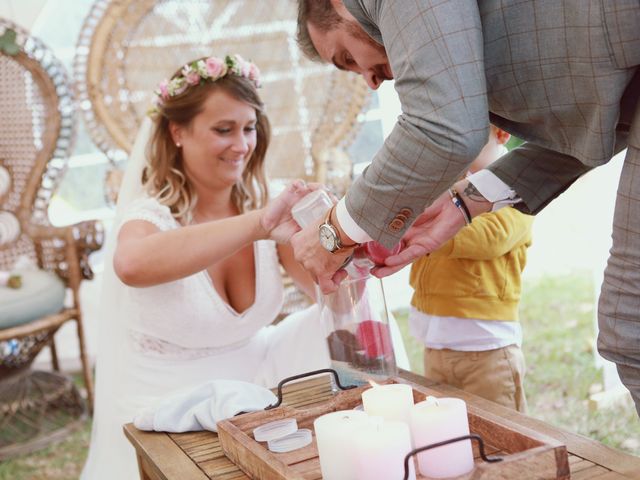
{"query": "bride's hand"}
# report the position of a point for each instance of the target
(276, 217)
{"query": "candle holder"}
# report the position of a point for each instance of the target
(522, 449)
(336, 380)
(478, 438)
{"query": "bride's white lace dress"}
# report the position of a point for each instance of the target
(180, 334)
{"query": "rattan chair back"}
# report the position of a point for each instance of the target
(37, 128)
(127, 46)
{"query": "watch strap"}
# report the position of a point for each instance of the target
(341, 247)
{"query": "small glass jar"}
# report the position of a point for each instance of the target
(355, 316)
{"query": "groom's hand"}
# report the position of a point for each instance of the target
(324, 267)
(439, 223)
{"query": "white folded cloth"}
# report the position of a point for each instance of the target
(200, 408)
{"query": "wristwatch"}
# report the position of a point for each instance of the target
(329, 236)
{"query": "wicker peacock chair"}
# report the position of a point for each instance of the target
(127, 46)
(37, 125)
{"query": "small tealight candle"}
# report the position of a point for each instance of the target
(436, 420)
(392, 402)
(379, 450)
(334, 437)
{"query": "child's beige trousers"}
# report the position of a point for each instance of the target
(496, 375)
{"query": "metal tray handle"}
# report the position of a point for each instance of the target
(304, 375)
(447, 442)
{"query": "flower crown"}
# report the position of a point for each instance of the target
(208, 69)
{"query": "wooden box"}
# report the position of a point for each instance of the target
(527, 454)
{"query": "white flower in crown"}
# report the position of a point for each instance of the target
(201, 68)
(177, 86)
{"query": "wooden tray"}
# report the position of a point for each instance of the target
(527, 453)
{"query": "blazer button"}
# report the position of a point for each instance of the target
(406, 211)
(396, 225)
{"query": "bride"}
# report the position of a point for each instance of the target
(192, 278)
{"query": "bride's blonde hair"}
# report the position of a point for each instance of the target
(163, 176)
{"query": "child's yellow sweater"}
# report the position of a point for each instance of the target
(477, 273)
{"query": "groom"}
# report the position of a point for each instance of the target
(561, 74)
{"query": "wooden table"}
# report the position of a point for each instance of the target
(199, 456)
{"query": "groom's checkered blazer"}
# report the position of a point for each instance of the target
(552, 72)
(561, 74)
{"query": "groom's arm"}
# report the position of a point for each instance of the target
(436, 51)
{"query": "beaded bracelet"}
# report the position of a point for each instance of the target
(456, 199)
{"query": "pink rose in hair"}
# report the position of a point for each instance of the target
(254, 74)
(191, 76)
(245, 68)
(215, 67)
(163, 87)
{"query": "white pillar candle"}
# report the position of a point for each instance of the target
(334, 437)
(379, 450)
(437, 420)
(391, 402)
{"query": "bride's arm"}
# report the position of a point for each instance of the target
(146, 256)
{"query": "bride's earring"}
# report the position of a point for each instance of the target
(178, 144)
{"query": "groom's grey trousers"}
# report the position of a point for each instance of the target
(619, 309)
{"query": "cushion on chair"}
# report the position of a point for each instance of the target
(42, 293)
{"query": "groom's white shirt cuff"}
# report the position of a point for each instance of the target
(349, 226)
(487, 183)
(493, 189)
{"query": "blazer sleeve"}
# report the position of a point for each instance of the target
(490, 236)
(435, 49)
(538, 175)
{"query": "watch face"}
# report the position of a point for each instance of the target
(327, 238)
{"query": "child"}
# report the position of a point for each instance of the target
(465, 304)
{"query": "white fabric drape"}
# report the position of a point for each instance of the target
(113, 349)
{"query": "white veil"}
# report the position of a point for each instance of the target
(113, 351)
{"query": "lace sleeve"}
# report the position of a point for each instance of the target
(150, 210)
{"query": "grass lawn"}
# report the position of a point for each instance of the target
(63, 461)
(557, 316)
